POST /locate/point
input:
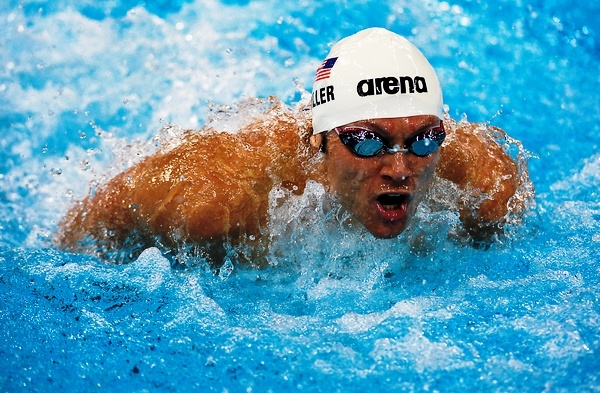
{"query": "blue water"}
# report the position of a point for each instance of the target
(84, 88)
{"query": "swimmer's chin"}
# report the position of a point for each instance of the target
(388, 235)
(386, 230)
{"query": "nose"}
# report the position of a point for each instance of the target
(395, 167)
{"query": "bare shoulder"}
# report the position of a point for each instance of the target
(490, 168)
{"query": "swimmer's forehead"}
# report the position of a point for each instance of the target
(391, 122)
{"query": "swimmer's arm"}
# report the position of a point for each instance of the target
(485, 173)
(106, 218)
(175, 196)
(213, 186)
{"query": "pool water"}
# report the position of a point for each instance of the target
(86, 86)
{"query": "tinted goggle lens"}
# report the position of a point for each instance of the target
(363, 143)
(367, 143)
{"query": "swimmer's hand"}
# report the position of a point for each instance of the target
(495, 186)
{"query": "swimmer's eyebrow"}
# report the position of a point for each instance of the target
(372, 125)
(430, 124)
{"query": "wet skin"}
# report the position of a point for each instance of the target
(214, 187)
(381, 192)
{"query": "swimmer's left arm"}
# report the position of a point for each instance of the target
(488, 176)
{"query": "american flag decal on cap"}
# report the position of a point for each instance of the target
(325, 69)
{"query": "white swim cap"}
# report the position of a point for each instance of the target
(373, 74)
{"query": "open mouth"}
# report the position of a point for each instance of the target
(392, 201)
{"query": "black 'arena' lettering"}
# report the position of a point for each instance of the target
(390, 85)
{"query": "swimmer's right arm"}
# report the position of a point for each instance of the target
(214, 186)
(136, 201)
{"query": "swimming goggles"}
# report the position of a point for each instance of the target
(365, 142)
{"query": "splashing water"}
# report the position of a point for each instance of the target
(87, 87)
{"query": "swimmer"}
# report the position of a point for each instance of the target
(375, 140)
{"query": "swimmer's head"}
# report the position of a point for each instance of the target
(373, 74)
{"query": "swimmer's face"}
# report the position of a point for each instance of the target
(383, 191)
